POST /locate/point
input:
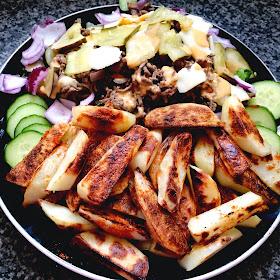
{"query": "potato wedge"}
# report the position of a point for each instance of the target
(55, 197)
(116, 223)
(224, 178)
(252, 222)
(102, 119)
(206, 192)
(72, 199)
(153, 170)
(172, 171)
(216, 221)
(268, 170)
(147, 151)
(97, 185)
(123, 203)
(119, 251)
(226, 194)
(162, 226)
(203, 154)
(157, 249)
(232, 156)
(239, 125)
(71, 164)
(64, 218)
(122, 183)
(36, 188)
(202, 252)
(22, 173)
(182, 115)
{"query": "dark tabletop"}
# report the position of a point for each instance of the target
(256, 23)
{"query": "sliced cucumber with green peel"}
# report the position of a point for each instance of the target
(268, 95)
(29, 120)
(271, 137)
(262, 116)
(24, 99)
(19, 147)
(37, 127)
(22, 112)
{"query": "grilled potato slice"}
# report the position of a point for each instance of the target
(157, 249)
(232, 156)
(172, 171)
(216, 221)
(226, 194)
(147, 152)
(22, 173)
(153, 170)
(202, 252)
(203, 154)
(72, 199)
(121, 184)
(102, 119)
(97, 185)
(268, 170)
(64, 218)
(36, 188)
(252, 222)
(119, 251)
(239, 125)
(116, 223)
(161, 225)
(182, 115)
(71, 164)
(205, 189)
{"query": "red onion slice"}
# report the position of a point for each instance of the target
(34, 52)
(34, 79)
(69, 104)
(88, 100)
(11, 83)
(141, 4)
(213, 31)
(219, 114)
(58, 113)
(106, 19)
(244, 84)
(224, 42)
(181, 11)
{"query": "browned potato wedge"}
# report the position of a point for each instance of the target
(172, 171)
(205, 189)
(122, 183)
(232, 156)
(147, 152)
(157, 249)
(55, 197)
(202, 252)
(97, 185)
(123, 203)
(182, 115)
(252, 222)
(203, 154)
(116, 223)
(239, 125)
(72, 199)
(153, 170)
(64, 218)
(268, 170)
(216, 221)
(102, 119)
(162, 226)
(95, 155)
(22, 173)
(71, 164)
(36, 188)
(119, 251)
(226, 194)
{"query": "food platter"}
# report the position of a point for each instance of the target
(52, 242)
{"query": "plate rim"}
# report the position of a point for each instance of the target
(92, 275)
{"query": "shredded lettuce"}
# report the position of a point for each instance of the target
(244, 74)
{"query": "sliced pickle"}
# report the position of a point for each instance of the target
(46, 88)
(115, 36)
(164, 14)
(234, 61)
(71, 39)
(49, 55)
(172, 45)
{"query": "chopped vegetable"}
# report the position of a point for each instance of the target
(58, 113)
(11, 83)
(34, 52)
(224, 42)
(35, 78)
(244, 74)
(244, 84)
(106, 19)
(88, 100)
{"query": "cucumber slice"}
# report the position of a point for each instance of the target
(271, 137)
(37, 127)
(24, 99)
(19, 147)
(268, 95)
(262, 116)
(22, 112)
(27, 121)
